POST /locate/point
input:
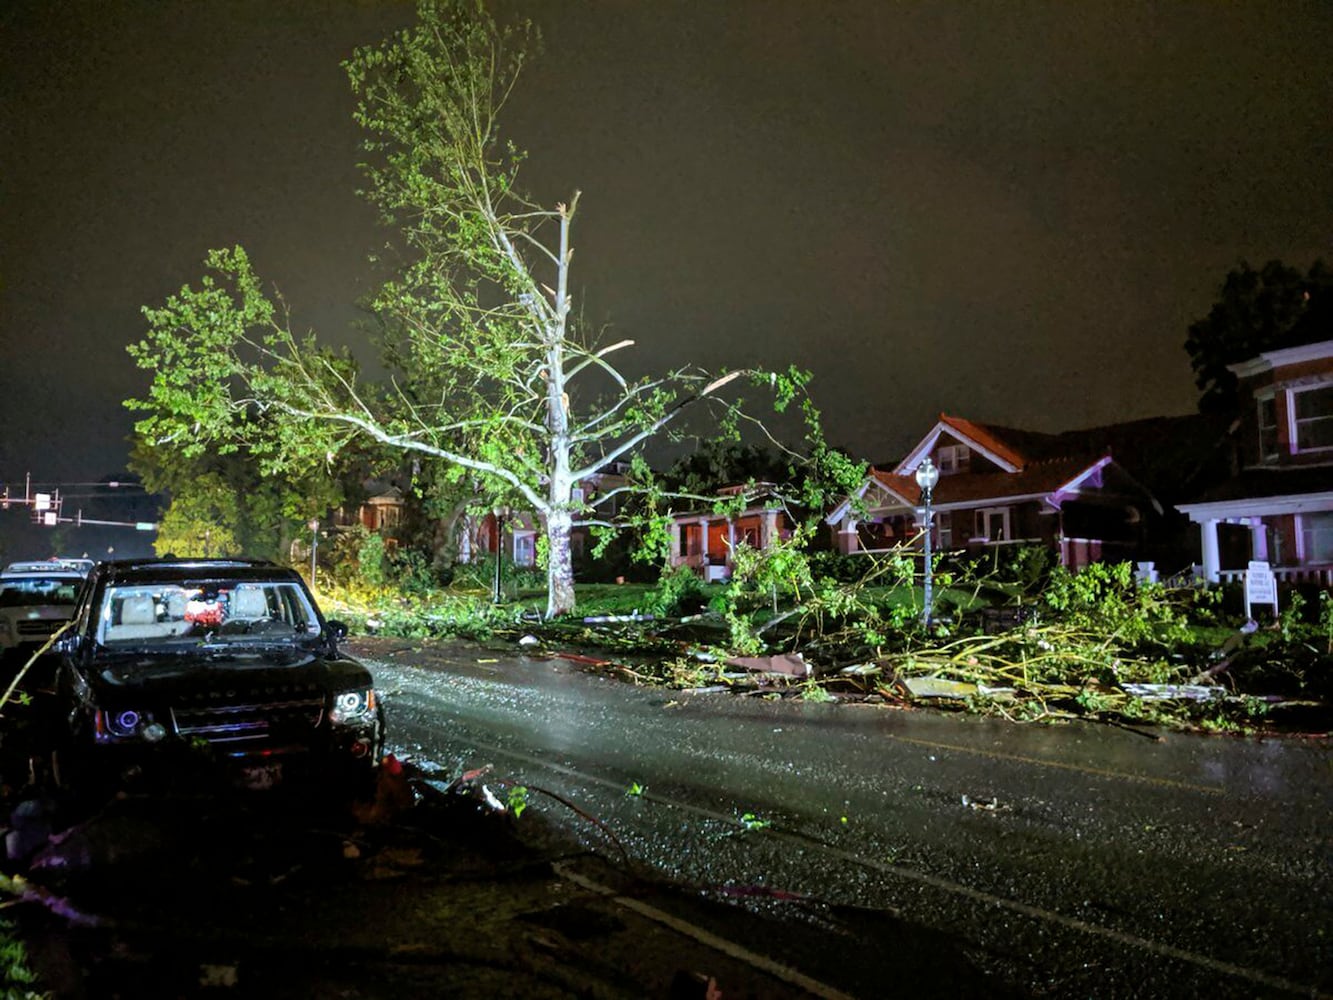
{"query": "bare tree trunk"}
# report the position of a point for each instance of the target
(559, 565)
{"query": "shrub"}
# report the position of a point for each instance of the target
(411, 572)
(837, 566)
(679, 591)
(480, 575)
(371, 564)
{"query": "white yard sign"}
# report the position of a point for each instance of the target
(1260, 587)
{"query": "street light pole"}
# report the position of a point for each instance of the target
(926, 477)
(500, 512)
(313, 525)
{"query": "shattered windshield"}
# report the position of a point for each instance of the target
(20, 592)
(212, 611)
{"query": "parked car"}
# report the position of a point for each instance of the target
(186, 670)
(36, 599)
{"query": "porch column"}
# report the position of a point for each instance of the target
(768, 529)
(465, 539)
(731, 539)
(1258, 539)
(677, 530)
(847, 536)
(1212, 560)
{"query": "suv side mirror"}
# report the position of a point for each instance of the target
(67, 644)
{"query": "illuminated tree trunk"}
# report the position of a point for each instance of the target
(560, 565)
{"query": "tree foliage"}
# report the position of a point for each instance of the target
(719, 462)
(1257, 310)
(489, 374)
(221, 505)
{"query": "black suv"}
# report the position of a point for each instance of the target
(212, 668)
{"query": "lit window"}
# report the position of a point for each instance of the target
(1313, 413)
(524, 551)
(1316, 537)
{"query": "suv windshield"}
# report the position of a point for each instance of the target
(29, 590)
(217, 610)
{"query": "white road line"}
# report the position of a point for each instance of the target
(720, 944)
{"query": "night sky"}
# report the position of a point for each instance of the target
(1007, 211)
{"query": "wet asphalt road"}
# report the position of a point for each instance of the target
(1054, 861)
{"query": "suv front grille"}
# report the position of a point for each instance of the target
(278, 714)
(41, 628)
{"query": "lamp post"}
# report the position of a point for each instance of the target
(926, 477)
(313, 525)
(501, 512)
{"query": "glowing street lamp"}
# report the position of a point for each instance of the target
(926, 477)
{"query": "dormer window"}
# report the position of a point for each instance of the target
(1312, 418)
(951, 458)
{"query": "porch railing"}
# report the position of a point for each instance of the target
(1322, 575)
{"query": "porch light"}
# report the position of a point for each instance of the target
(926, 477)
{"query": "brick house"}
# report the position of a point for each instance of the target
(1001, 487)
(706, 541)
(1278, 506)
(600, 495)
(382, 511)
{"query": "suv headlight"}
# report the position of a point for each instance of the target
(128, 724)
(353, 706)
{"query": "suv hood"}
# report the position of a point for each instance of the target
(226, 671)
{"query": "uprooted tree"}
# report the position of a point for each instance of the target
(489, 373)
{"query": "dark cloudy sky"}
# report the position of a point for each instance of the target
(1009, 211)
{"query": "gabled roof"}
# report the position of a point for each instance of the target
(1171, 456)
(1167, 454)
(996, 443)
(1051, 480)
